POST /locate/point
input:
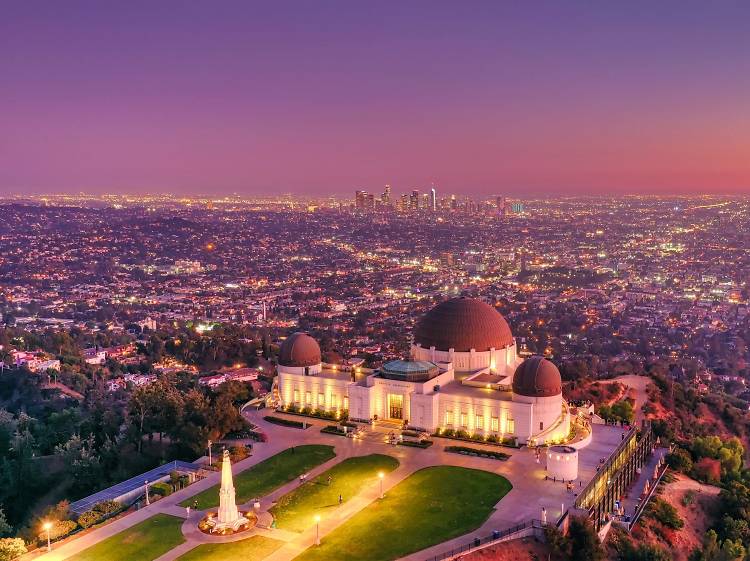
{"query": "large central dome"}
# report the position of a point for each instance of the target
(463, 324)
(298, 350)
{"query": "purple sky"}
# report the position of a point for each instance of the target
(326, 97)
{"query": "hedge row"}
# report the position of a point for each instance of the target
(316, 413)
(502, 456)
(416, 443)
(509, 441)
(284, 422)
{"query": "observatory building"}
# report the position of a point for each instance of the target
(463, 375)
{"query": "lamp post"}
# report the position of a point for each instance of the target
(209, 453)
(145, 484)
(381, 475)
(317, 529)
(47, 526)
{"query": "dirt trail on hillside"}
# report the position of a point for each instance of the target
(638, 384)
(695, 514)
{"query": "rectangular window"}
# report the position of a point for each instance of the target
(464, 420)
(308, 398)
(495, 424)
(511, 426)
(541, 426)
(334, 401)
(449, 418)
(479, 422)
(321, 401)
(346, 402)
(296, 396)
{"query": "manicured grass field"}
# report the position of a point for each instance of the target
(255, 548)
(145, 541)
(269, 474)
(295, 510)
(431, 506)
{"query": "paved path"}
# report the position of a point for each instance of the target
(529, 494)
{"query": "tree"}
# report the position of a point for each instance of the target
(557, 542)
(11, 548)
(680, 460)
(584, 541)
(623, 411)
(5, 528)
(142, 403)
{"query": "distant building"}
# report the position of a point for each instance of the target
(95, 356)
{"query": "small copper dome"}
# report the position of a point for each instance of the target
(463, 324)
(537, 377)
(299, 349)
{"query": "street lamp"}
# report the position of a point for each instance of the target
(47, 527)
(317, 529)
(145, 484)
(209, 453)
(381, 475)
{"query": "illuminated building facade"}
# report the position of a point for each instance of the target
(463, 375)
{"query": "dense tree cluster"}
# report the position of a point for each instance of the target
(61, 449)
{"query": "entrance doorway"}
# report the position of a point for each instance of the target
(395, 406)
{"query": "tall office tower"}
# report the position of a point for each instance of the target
(359, 199)
(425, 205)
(385, 198)
(414, 200)
(433, 200)
(454, 203)
(369, 201)
(404, 206)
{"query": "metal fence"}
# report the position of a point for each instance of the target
(496, 536)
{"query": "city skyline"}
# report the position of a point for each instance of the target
(480, 100)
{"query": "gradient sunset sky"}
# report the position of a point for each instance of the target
(319, 97)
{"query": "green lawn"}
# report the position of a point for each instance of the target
(295, 510)
(255, 548)
(431, 506)
(268, 475)
(145, 541)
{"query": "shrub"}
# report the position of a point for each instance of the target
(645, 552)
(59, 529)
(163, 489)
(333, 429)
(237, 453)
(688, 498)
(11, 548)
(107, 507)
(708, 470)
(665, 513)
(416, 443)
(89, 518)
